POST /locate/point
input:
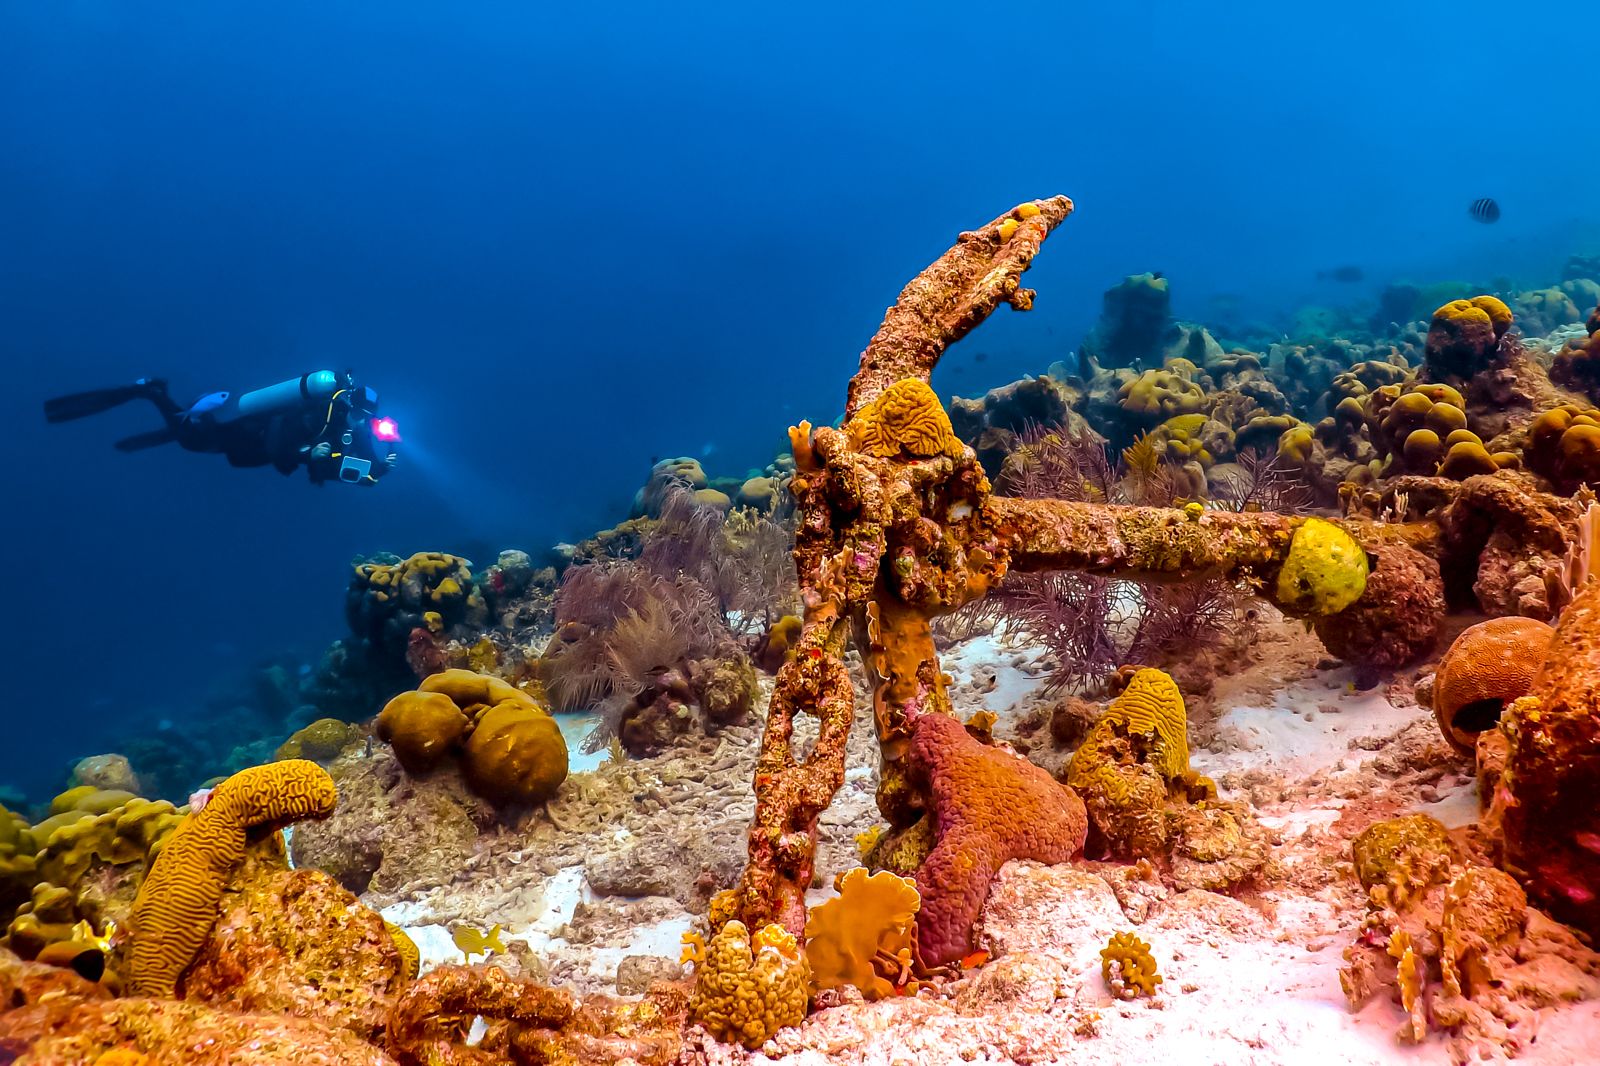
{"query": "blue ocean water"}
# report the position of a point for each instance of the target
(562, 240)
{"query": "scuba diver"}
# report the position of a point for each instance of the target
(322, 421)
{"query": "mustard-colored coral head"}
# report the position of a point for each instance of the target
(1325, 571)
(906, 419)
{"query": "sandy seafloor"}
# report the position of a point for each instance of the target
(608, 873)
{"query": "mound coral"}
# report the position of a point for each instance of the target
(1464, 336)
(1563, 444)
(1128, 967)
(423, 728)
(1396, 620)
(1577, 365)
(1485, 668)
(862, 937)
(390, 597)
(748, 987)
(510, 749)
(177, 904)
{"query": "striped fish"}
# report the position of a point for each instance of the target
(1485, 210)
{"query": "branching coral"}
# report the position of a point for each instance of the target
(1128, 967)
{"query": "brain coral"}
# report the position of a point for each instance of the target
(907, 418)
(1134, 757)
(177, 904)
(1464, 336)
(863, 931)
(977, 791)
(1486, 667)
(747, 988)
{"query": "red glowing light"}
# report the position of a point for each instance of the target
(385, 430)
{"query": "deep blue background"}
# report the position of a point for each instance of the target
(562, 241)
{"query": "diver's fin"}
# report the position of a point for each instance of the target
(84, 404)
(140, 441)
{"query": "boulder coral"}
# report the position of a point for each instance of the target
(510, 748)
(1464, 336)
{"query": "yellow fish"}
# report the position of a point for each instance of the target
(471, 942)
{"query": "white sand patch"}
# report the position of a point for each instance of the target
(1456, 806)
(1309, 726)
(575, 729)
(992, 673)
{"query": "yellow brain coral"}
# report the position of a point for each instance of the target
(1132, 760)
(1325, 571)
(177, 904)
(907, 418)
(1128, 967)
(862, 937)
(747, 988)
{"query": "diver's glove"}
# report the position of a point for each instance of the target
(322, 451)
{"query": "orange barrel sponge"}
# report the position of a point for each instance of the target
(177, 904)
(1464, 336)
(989, 806)
(1489, 665)
(516, 754)
(422, 728)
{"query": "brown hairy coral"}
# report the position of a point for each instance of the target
(862, 936)
(177, 904)
(1486, 667)
(1397, 859)
(906, 419)
(747, 988)
(1128, 967)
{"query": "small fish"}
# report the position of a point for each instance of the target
(975, 960)
(981, 357)
(1348, 274)
(1485, 210)
(470, 942)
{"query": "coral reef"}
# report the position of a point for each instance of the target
(1457, 944)
(1464, 336)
